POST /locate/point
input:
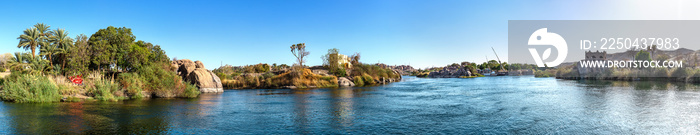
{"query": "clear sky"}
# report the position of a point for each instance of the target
(420, 33)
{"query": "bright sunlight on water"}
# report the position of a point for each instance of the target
(485, 105)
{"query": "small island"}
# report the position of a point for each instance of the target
(338, 70)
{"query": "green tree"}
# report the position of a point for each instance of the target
(109, 47)
(48, 51)
(493, 65)
(642, 55)
(78, 56)
(299, 51)
(62, 41)
(138, 54)
(44, 30)
(31, 39)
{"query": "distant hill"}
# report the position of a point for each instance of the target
(678, 54)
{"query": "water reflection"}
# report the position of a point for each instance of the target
(301, 119)
(342, 107)
(487, 105)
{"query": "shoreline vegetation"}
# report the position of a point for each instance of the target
(113, 66)
(338, 70)
(473, 70)
(689, 73)
(110, 63)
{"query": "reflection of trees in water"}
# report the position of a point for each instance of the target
(301, 120)
(640, 85)
(37, 118)
(342, 107)
(149, 116)
(127, 117)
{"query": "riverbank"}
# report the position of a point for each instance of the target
(574, 72)
(109, 65)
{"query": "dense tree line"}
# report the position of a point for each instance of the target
(111, 49)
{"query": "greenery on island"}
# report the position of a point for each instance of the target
(685, 74)
(299, 76)
(113, 64)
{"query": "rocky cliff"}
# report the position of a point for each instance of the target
(195, 73)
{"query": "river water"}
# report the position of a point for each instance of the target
(485, 105)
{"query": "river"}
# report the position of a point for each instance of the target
(485, 105)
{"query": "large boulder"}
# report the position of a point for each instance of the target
(185, 67)
(205, 80)
(199, 64)
(195, 73)
(345, 82)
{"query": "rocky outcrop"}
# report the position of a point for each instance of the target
(195, 73)
(345, 82)
(450, 72)
(403, 69)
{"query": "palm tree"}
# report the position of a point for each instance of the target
(20, 61)
(44, 30)
(63, 41)
(31, 39)
(50, 50)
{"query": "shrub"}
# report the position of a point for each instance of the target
(190, 92)
(261, 68)
(29, 88)
(339, 72)
(373, 71)
(105, 90)
(543, 73)
(303, 78)
(358, 81)
(162, 82)
(65, 86)
(133, 84)
(368, 79)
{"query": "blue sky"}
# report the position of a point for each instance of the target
(419, 33)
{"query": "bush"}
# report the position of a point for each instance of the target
(190, 92)
(261, 68)
(65, 86)
(133, 84)
(162, 82)
(368, 79)
(373, 71)
(543, 73)
(29, 88)
(304, 78)
(339, 72)
(358, 81)
(105, 90)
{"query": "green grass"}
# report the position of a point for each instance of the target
(105, 90)
(29, 88)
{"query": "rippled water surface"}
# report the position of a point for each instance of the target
(491, 105)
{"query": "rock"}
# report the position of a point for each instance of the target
(450, 72)
(195, 73)
(186, 67)
(205, 80)
(199, 64)
(345, 82)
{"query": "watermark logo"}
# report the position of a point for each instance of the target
(542, 37)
